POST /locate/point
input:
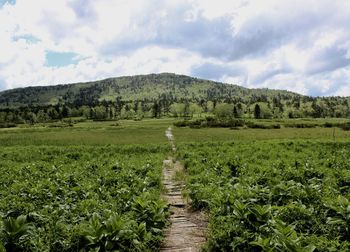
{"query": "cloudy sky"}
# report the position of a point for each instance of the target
(302, 46)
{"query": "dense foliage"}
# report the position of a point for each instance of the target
(158, 95)
(77, 198)
(272, 195)
(234, 123)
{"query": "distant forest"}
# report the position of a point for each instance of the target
(159, 95)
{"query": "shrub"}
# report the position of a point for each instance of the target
(211, 122)
(345, 126)
(300, 125)
(253, 125)
(7, 125)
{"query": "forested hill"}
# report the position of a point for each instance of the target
(141, 87)
(158, 95)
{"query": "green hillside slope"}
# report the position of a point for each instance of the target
(157, 95)
(130, 88)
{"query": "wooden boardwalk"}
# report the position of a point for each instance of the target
(187, 229)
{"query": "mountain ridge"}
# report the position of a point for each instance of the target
(134, 87)
(157, 95)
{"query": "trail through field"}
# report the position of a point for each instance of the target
(187, 229)
(170, 136)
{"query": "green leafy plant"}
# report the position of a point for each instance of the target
(16, 233)
(271, 195)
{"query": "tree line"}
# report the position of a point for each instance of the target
(263, 107)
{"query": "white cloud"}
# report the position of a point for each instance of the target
(296, 45)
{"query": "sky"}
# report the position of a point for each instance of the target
(300, 45)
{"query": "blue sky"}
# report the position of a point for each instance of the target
(27, 37)
(60, 59)
(302, 46)
(2, 2)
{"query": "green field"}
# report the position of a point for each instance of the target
(82, 197)
(272, 195)
(88, 133)
(151, 131)
(97, 185)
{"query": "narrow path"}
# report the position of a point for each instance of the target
(187, 229)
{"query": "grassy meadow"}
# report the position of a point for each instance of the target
(88, 133)
(96, 186)
(151, 131)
